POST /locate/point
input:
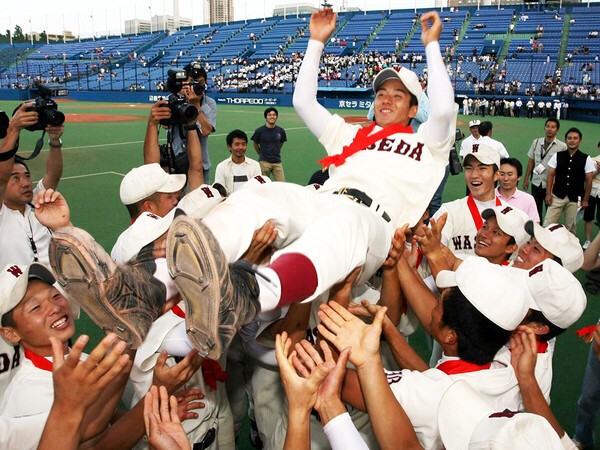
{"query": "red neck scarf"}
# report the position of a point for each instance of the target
(475, 212)
(361, 141)
(38, 361)
(455, 366)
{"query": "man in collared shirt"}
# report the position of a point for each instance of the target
(511, 171)
(235, 171)
(569, 182)
(539, 154)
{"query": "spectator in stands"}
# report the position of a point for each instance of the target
(22, 238)
(238, 169)
(268, 141)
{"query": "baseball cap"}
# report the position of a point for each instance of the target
(484, 154)
(13, 283)
(143, 181)
(559, 241)
(510, 220)
(147, 228)
(407, 76)
(490, 289)
(467, 421)
(554, 291)
(474, 123)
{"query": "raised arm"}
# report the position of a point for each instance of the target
(22, 118)
(158, 112)
(316, 117)
(439, 88)
(54, 163)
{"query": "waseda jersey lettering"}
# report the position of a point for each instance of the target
(414, 151)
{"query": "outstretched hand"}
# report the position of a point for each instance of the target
(523, 352)
(343, 329)
(51, 209)
(163, 426)
(431, 27)
(322, 24)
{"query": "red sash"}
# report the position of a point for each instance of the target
(361, 141)
(542, 347)
(38, 361)
(475, 212)
(456, 366)
(211, 369)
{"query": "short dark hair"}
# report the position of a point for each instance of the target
(271, 109)
(552, 119)
(479, 339)
(513, 162)
(19, 160)
(574, 130)
(538, 316)
(236, 134)
(485, 127)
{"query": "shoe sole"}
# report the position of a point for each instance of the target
(83, 278)
(194, 268)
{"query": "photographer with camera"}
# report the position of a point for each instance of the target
(187, 89)
(22, 238)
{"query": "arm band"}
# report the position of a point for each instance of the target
(9, 154)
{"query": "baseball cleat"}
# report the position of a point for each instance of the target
(219, 298)
(118, 298)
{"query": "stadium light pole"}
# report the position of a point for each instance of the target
(31, 31)
(150, 9)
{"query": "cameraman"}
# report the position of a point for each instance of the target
(194, 90)
(22, 238)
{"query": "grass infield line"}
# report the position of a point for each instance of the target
(92, 175)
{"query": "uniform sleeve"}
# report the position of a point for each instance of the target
(314, 115)
(343, 435)
(503, 151)
(256, 136)
(283, 136)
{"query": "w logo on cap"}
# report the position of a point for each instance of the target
(506, 210)
(475, 148)
(15, 271)
(555, 227)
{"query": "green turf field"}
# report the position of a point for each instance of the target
(97, 155)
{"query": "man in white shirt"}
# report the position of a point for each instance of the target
(235, 171)
(485, 130)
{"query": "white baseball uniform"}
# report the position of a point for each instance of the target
(464, 219)
(11, 357)
(336, 234)
(14, 433)
(215, 414)
(420, 393)
(495, 144)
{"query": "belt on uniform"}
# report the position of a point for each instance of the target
(360, 197)
(208, 439)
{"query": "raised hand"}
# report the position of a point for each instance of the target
(173, 377)
(51, 209)
(322, 24)
(431, 25)
(163, 427)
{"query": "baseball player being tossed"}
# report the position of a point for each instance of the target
(381, 177)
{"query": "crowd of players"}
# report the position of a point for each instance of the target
(285, 303)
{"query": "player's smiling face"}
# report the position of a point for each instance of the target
(42, 313)
(531, 254)
(392, 104)
(480, 178)
(492, 243)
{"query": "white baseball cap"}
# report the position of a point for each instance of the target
(143, 181)
(407, 76)
(554, 291)
(467, 421)
(474, 123)
(199, 202)
(490, 289)
(146, 229)
(14, 280)
(559, 241)
(510, 220)
(484, 154)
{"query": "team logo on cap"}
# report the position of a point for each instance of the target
(15, 271)
(260, 179)
(475, 148)
(506, 210)
(207, 192)
(536, 269)
(153, 216)
(555, 227)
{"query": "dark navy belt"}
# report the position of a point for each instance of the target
(360, 197)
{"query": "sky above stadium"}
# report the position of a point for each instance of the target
(86, 17)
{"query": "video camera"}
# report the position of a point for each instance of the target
(181, 111)
(453, 159)
(47, 109)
